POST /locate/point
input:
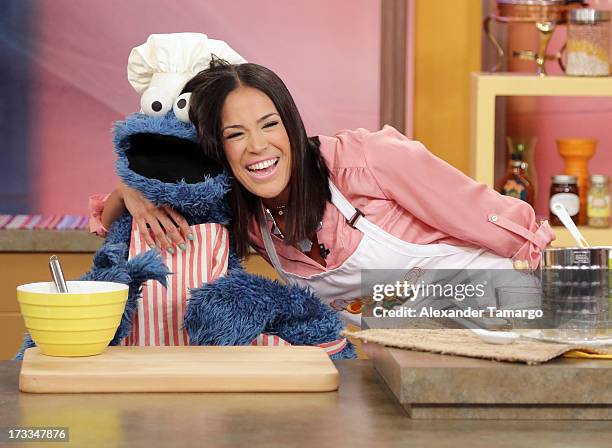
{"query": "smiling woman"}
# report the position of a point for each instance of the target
(323, 209)
(260, 150)
(247, 119)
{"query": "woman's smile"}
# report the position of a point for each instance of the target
(256, 143)
(263, 169)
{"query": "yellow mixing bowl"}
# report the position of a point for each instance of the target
(80, 323)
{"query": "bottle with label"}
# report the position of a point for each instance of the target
(515, 182)
(598, 201)
(564, 189)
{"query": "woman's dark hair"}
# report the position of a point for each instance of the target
(309, 186)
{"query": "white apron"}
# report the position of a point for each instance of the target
(378, 250)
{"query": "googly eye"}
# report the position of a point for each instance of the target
(181, 107)
(155, 102)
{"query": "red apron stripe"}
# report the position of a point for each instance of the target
(207, 266)
(155, 313)
(179, 278)
(333, 347)
(221, 254)
(146, 297)
(134, 329)
(201, 244)
(175, 312)
(215, 253)
(184, 283)
(166, 327)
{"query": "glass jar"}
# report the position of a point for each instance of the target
(588, 42)
(598, 202)
(564, 189)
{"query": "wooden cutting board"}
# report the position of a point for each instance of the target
(182, 369)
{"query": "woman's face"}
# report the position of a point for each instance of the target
(256, 143)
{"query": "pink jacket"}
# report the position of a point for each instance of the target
(410, 193)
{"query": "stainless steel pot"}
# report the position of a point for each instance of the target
(576, 287)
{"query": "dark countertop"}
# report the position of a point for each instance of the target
(361, 413)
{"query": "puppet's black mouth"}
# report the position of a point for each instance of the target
(169, 159)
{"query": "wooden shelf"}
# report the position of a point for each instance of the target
(595, 237)
(485, 87)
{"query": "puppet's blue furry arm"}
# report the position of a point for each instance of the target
(307, 321)
(111, 265)
(236, 308)
(232, 310)
(25, 344)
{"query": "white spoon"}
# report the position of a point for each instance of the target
(495, 337)
(560, 210)
(490, 337)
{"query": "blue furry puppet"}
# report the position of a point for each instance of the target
(207, 298)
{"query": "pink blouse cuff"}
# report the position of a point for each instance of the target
(96, 206)
(533, 247)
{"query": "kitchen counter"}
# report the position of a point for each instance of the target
(49, 241)
(361, 413)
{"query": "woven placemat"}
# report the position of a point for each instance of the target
(464, 343)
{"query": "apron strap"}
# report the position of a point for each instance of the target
(351, 213)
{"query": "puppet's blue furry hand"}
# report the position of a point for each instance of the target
(232, 310)
(110, 265)
(147, 266)
(302, 319)
(318, 325)
(235, 309)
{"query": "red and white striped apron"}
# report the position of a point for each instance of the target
(160, 314)
(272, 340)
(161, 311)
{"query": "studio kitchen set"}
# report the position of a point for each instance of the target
(562, 371)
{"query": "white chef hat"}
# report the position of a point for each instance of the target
(159, 68)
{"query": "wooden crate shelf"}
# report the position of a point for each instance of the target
(485, 87)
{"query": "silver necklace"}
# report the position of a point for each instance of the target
(305, 244)
(280, 209)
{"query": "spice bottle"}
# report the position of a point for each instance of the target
(515, 182)
(598, 203)
(564, 189)
(588, 42)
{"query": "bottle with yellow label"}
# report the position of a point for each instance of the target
(598, 201)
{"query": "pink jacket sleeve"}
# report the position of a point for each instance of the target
(96, 206)
(445, 198)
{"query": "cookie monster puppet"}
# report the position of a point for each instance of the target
(202, 295)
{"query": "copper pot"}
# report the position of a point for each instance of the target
(544, 14)
(533, 10)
